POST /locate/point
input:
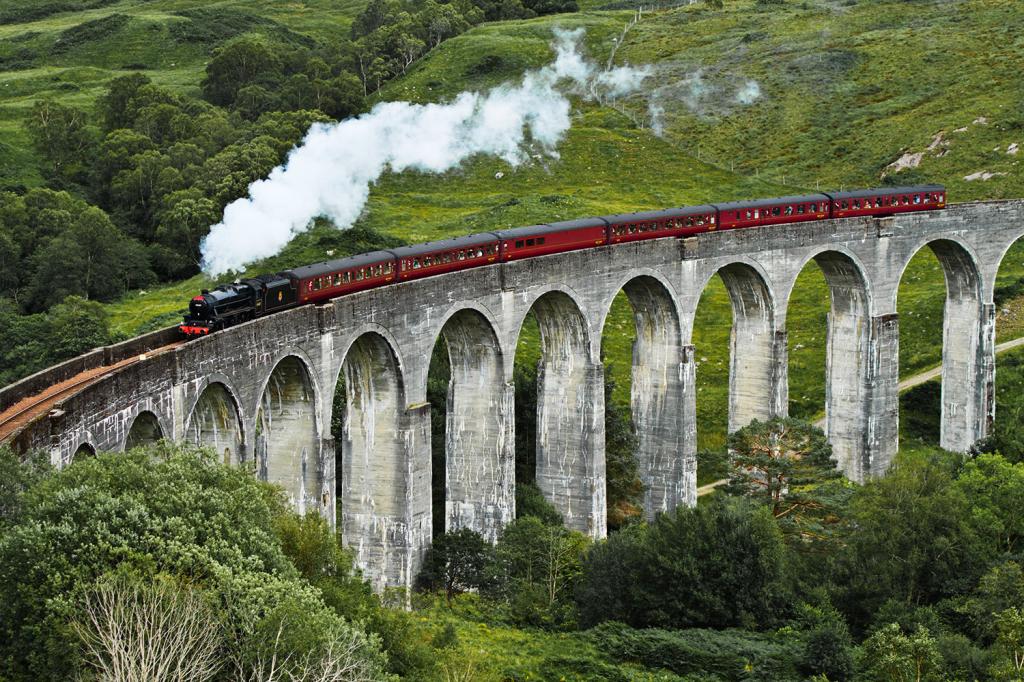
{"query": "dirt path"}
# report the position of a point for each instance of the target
(905, 385)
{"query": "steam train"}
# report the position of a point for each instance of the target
(245, 299)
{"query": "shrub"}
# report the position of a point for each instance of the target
(729, 654)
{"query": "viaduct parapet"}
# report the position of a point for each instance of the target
(262, 394)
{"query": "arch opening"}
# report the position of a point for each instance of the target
(567, 433)
(375, 470)
(1004, 410)
(215, 423)
(145, 430)
(649, 454)
(83, 451)
(828, 372)
(472, 421)
(287, 445)
(947, 412)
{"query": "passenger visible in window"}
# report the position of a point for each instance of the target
(415, 263)
(789, 210)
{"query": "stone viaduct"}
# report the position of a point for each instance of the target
(262, 393)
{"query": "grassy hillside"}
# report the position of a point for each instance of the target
(71, 55)
(747, 101)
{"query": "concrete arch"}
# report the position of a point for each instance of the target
(666, 439)
(848, 367)
(479, 427)
(570, 414)
(965, 329)
(570, 301)
(287, 439)
(376, 478)
(215, 421)
(145, 429)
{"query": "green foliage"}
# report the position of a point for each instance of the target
(890, 655)
(826, 644)
(60, 135)
(29, 343)
(623, 488)
(170, 511)
(456, 562)
(708, 654)
(914, 540)
(775, 461)
(17, 475)
(530, 502)
(536, 570)
(720, 564)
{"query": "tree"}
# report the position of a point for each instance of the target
(718, 565)
(783, 464)
(245, 61)
(536, 571)
(889, 655)
(1010, 641)
(87, 260)
(163, 511)
(624, 489)
(456, 562)
(910, 538)
(153, 630)
(995, 487)
(77, 326)
(60, 135)
(114, 105)
(185, 220)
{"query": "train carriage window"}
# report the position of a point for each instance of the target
(789, 210)
(519, 244)
(928, 197)
(446, 257)
(700, 220)
(389, 268)
(711, 219)
(415, 263)
(917, 198)
(856, 203)
(479, 253)
(689, 221)
(749, 215)
(540, 241)
(309, 285)
(462, 254)
(737, 215)
(336, 279)
(529, 242)
(814, 207)
(776, 211)
(346, 277)
(845, 204)
(316, 284)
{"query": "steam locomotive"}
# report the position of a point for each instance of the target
(245, 299)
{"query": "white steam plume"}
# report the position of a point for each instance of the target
(330, 173)
(748, 93)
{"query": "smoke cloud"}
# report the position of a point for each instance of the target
(748, 93)
(330, 173)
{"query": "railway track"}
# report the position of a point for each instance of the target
(28, 409)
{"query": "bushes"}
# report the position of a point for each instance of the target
(728, 654)
(715, 565)
(169, 514)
